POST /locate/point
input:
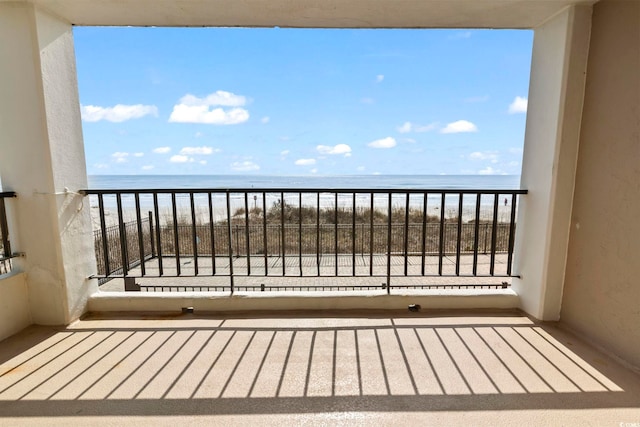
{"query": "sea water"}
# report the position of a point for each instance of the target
(393, 182)
(254, 184)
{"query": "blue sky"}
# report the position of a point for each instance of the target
(302, 101)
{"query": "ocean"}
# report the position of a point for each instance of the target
(393, 182)
(327, 200)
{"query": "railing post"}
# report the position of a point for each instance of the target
(141, 251)
(235, 238)
(389, 213)
(284, 244)
(486, 226)
(230, 244)
(153, 242)
(130, 285)
(122, 235)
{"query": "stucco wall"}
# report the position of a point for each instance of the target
(42, 155)
(602, 287)
(14, 305)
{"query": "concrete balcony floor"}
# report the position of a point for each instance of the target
(360, 368)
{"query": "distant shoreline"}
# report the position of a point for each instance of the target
(293, 183)
(394, 182)
(220, 214)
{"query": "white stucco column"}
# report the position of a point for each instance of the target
(556, 93)
(42, 156)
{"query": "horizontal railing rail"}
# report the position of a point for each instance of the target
(304, 233)
(5, 243)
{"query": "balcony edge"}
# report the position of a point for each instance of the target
(283, 301)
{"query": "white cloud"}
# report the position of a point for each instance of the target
(245, 166)
(117, 113)
(220, 97)
(405, 128)
(179, 158)
(379, 78)
(120, 157)
(161, 150)
(492, 156)
(487, 171)
(147, 167)
(519, 105)
(201, 114)
(314, 170)
(410, 140)
(284, 152)
(387, 142)
(459, 127)
(360, 168)
(336, 149)
(138, 154)
(412, 127)
(305, 162)
(101, 166)
(189, 151)
(491, 171)
(203, 162)
(198, 135)
(265, 120)
(192, 109)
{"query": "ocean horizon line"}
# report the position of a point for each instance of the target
(312, 175)
(392, 182)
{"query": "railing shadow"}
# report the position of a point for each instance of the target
(303, 364)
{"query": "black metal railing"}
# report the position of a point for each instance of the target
(304, 233)
(5, 244)
(139, 242)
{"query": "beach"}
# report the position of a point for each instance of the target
(258, 200)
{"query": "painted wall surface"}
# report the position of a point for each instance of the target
(309, 13)
(556, 91)
(602, 288)
(269, 301)
(64, 131)
(42, 153)
(14, 305)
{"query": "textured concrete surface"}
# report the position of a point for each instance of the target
(312, 369)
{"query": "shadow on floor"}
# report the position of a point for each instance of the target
(302, 363)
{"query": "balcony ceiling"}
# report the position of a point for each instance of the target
(310, 13)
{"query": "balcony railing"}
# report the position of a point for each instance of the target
(302, 233)
(5, 244)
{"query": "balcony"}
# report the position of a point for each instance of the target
(382, 369)
(575, 251)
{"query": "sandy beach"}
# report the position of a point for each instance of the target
(237, 205)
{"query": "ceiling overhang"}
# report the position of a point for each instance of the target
(309, 13)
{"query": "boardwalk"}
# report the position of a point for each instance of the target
(311, 272)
